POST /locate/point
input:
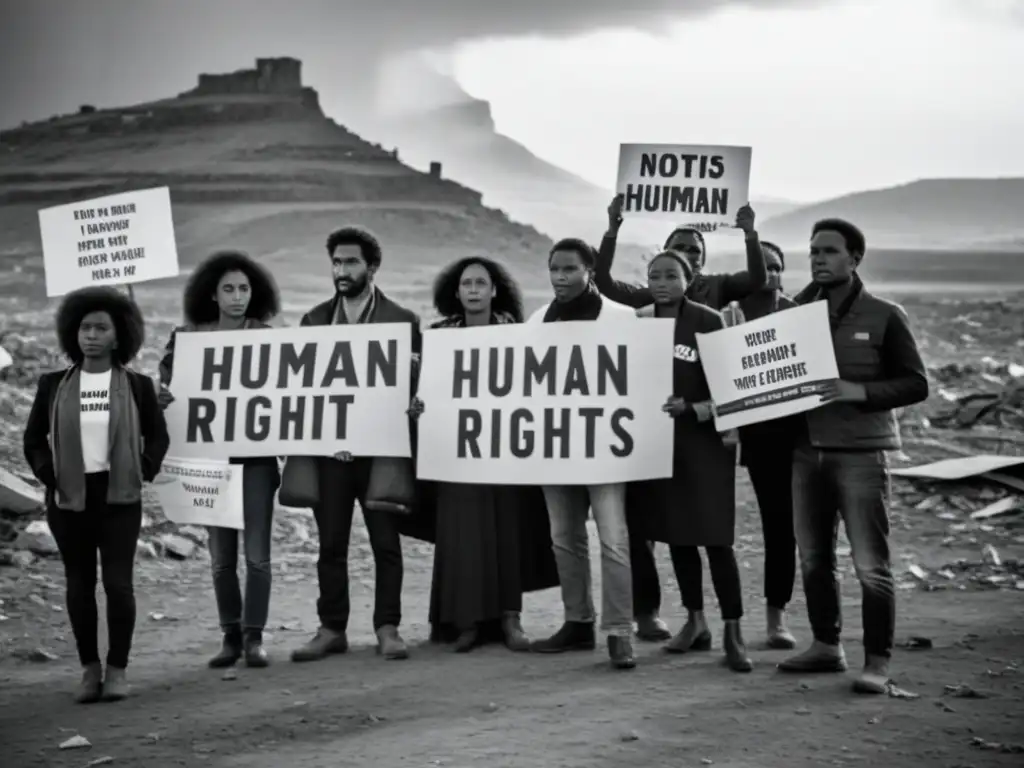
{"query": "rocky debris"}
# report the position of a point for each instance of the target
(37, 539)
(76, 742)
(17, 497)
(177, 547)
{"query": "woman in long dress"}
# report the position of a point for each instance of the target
(492, 543)
(696, 507)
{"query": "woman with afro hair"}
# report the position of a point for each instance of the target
(492, 543)
(231, 291)
(95, 434)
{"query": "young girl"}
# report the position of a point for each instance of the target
(231, 291)
(94, 436)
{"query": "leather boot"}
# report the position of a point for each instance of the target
(230, 649)
(652, 629)
(324, 643)
(779, 636)
(115, 684)
(91, 687)
(736, 657)
(255, 654)
(390, 644)
(620, 651)
(694, 636)
(573, 636)
(512, 629)
(467, 640)
(820, 657)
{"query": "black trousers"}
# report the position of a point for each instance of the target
(771, 474)
(646, 585)
(341, 485)
(725, 576)
(112, 531)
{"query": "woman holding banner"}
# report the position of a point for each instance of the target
(712, 290)
(492, 543)
(696, 506)
(94, 436)
(766, 450)
(231, 291)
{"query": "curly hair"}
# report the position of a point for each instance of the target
(129, 327)
(368, 244)
(198, 304)
(508, 298)
(851, 234)
(586, 252)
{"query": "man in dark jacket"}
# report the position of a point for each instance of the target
(712, 290)
(841, 468)
(355, 256)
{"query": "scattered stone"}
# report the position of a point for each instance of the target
(76, 742)
(177, 547)
(17, 496)
(963, 692)
(491, 707)
(22, 559)
(36, 538)
(229, 674)
(145, 548)
(630, 736)
(916, 643)
(105, 760)
(41, 656)
(995, 746)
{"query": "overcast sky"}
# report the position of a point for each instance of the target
(833, 95)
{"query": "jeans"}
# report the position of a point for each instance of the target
(646, 584)
(771, 474)
(567, 509)
(853, 485)
(259, 483)
(725, 576)
(113, 531)
(341, 485)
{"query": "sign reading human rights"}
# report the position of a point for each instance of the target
(571, 403)
(308, 391)
(770, 367)
(113, 240)
(696, 186)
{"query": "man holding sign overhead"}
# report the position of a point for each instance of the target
(841, 468)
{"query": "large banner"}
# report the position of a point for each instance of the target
(684, 185)
(770, 367)
(124, 238)
(308, 391)
(201, 493)
(573, 403)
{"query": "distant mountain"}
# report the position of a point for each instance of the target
(931, 213)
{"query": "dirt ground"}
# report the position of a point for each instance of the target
(496, 708)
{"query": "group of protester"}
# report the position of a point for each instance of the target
(97, 433)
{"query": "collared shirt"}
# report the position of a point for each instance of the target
(341, 318)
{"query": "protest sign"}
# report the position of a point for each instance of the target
(571, 403)
(687, 185)
(113, 240)
(770, 367)
(307, 391)
(201, 492)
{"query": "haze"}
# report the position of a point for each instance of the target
(833, 96)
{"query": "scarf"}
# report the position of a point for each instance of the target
(125, 484)
(586, 306)
(815, 292)
(459, 321)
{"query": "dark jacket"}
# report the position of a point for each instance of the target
(773, 439)
(875, 347)
(166, 370)
(714, 291)
(38, 454)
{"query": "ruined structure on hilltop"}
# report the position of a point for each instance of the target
(271, 76)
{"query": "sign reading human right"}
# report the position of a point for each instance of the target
(114, 240)
(771, 367)
(699, 186)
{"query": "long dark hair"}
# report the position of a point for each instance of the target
(508, 298)
(198, 303)
(129, 326)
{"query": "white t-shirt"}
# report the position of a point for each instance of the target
(94, 397)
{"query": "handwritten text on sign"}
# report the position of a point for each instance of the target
(308, 391)
(556, 404)
(201, 493)
(696, 186)
(770, 367)
(124, 238)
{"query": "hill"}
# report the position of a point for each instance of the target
(252, 162)
(931, 213)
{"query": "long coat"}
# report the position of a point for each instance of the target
(697, 505)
